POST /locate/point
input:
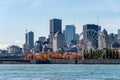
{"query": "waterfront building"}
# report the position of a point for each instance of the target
(55, 26)
(119, 34)
(116, 37)
(112, 39)
(104, 40)
(45, 48)
(69, 33)
(116, 45)
(3, 52)
(90, 35)
(58, 41)
(14, 49)
(26, 49)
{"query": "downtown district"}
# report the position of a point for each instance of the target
(66, 41)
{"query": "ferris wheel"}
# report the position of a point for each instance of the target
(90, 39)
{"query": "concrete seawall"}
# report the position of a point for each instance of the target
(62, 61)
(15, 62)
(86, 61)
(99, 61)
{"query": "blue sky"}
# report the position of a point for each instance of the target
(17, 15)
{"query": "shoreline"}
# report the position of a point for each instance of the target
(63, 61)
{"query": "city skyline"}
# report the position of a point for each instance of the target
(17, 15)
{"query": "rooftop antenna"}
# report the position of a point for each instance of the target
(98, 24)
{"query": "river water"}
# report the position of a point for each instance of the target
(59, 72)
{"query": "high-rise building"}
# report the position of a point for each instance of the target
(55, 26)
(58, 41)
(29, 42)
(118, 33)
(30, 39)
(69, 33)
(90, 35)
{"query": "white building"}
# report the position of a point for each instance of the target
(103, 41)
(58, 41)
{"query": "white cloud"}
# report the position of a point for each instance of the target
(17, 41)
(3, 46)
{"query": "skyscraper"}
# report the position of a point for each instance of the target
(29, 42)
(30, 39)
(69, 33)
(90, 35)
(55, 26)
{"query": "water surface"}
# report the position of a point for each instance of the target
(59, 72)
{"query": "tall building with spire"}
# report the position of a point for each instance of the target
(29, 42)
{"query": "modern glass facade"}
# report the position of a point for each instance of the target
(55, 26)
(69, 33)
(91, 34)
(30, 39)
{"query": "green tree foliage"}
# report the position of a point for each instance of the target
(105, 54)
